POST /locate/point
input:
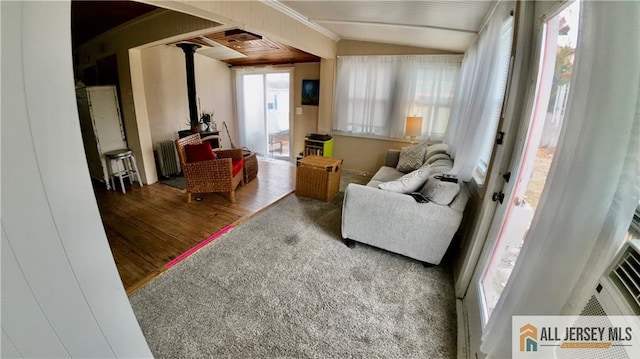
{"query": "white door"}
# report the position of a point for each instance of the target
(105, 113)
(264, 107)
(530, 168)
(107, 123)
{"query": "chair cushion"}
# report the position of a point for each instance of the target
(199, 152)
(237, 166)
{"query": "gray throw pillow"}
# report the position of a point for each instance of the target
(408, 183)
(441, 166)
(440, 192)
(439, 156)
(435, 149)
(411, 158)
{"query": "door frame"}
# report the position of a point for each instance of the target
(519, 104)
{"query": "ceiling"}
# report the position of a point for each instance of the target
(242, 48)
(445, 25)
(91, 18)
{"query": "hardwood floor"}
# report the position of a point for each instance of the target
(148, 227)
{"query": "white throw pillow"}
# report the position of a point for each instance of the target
(408, 183)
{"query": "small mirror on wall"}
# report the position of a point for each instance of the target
(310, 92)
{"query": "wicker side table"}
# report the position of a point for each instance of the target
(318, 177)
(250, 166)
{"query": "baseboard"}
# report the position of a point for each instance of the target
(463, 331)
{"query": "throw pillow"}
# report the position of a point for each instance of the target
(439, 156)
(199, 152)
(408, 183)
(440, 192)
(411, 158)
(435, 149)
(441, 166)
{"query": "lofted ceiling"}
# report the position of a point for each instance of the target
(445, 25)
(449, 25)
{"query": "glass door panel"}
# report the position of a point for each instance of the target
(254, 113)
(278, 114)
(264, 112)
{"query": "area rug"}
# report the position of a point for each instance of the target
(174, 181)
(283, 284)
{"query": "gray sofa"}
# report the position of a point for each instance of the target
(398, 223)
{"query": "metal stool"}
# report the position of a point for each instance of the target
(129, 167)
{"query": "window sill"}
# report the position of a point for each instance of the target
(383, 138)
(476, 183)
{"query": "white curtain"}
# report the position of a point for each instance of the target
(375, 94)
(481, 86)
(593, 187)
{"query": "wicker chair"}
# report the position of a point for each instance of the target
(209, 176)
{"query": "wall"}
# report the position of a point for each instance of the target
(327, 78)
(165, 89)
(61, 293)
(363, 154)
(366, 154)
(155, 26)
(308, 121)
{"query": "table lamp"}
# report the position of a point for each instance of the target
(413, 127)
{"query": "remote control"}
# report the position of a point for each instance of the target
(419, 197)
(444, 178)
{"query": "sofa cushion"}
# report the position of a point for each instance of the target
(436, 157)
(199, 152)
(410, 182)
(441, 166)
(440, 192)
(434, 150)
(411, 158)
(384, 174)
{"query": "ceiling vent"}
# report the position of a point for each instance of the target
(240, 35)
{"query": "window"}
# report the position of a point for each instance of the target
(505, 56)
(375, 94)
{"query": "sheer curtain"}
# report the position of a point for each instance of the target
(481, 85)
(375, 94)
(594, 183)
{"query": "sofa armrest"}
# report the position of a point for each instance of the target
(397, 223)
(393, 156)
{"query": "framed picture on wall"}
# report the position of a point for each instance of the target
(310, 92)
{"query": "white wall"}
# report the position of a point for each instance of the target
(165, 89)
(61, 294)
(307, 122)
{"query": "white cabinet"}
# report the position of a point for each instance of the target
(101, 127)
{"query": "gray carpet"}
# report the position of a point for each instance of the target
(283, 284)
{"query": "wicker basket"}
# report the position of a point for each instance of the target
(250, 167)
(318, 177)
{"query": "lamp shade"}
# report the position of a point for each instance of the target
(414, 126)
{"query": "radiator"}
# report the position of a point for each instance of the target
(167, 158)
